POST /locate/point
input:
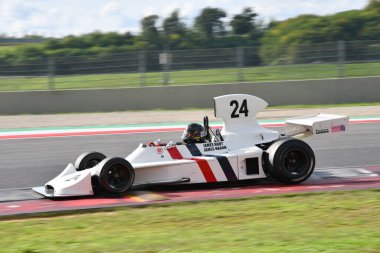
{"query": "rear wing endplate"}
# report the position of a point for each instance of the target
(316, 125)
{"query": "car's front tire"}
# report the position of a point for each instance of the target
(88, 160)
(290, 161)
(115, 175)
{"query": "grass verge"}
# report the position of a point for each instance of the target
(344, 221)
(191, 77)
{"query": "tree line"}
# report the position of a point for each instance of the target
(276, 40)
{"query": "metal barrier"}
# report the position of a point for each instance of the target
(200, 66)
(329, 91)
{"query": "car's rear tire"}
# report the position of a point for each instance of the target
(88, 160)
(290, 161)
(115, 175)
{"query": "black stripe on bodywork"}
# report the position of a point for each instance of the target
(194, 150)
(226, 167)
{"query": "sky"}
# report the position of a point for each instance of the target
(58, 18)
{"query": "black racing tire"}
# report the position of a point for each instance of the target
(115, 175)
(88, 160)
(290, 161)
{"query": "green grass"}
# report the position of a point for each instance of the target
(210, 76)
(345, 221)
(8, 48)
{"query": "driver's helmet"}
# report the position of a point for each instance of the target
(194, 133)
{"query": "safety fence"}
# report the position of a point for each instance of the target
(198, 66)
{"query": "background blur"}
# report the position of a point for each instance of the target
(209, 50)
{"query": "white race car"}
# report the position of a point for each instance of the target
(241, 150)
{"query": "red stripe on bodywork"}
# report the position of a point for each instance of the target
(174, 153)
(206, 170)
(202, 163)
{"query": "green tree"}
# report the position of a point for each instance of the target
(128, 38)
(174, 30)
(244, 23)
(373, 4)
(29, 52)
(52, 44)
(72, 41)
(112, 39)
(93, 39)
(209, 22)
(173, 24)
(150, 32)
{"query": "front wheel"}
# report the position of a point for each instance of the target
(115, 175)
(88, 160)
(289, 161)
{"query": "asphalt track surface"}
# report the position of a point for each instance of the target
(26, 163)
(33, 161)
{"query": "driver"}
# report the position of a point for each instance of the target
(194, 133)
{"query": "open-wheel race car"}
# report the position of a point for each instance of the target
(241, 150)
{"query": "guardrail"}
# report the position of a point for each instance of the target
(328, 91)
(193, 66)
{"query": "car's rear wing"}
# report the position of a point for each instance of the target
(301, 127)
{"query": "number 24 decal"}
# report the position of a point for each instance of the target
(243, 108)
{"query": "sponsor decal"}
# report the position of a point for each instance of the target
(322, 131)
(212, 146)
(160, 151)
(338, 128)
(74, 178)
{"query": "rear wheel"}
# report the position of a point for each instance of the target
(88, 160)
(115, 175)
(289, 161)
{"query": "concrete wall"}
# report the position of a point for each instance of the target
(349, 90)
